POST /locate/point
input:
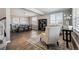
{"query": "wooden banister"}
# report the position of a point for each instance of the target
(2, 18)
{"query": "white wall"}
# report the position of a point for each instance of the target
(34, 21)
(2, 12)
(8, 25)
(42, 17)
(67, 18)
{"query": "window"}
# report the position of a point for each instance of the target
(15, 20)
(20, 20)
(52, 19)
(59, 17)
(56, 18)
(24, 20)
(34, 20)
(76, 19)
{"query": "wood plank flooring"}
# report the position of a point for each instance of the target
(19, 41)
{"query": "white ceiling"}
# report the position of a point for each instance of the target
(51, 10)
(26, 12)
(21, 12)
(2, 12)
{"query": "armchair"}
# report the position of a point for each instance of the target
(51, 34)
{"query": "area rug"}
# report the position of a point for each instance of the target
(36, 42)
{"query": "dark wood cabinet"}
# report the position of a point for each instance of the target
(67, 36)
(42, 23)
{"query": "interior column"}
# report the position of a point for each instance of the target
(8, 25)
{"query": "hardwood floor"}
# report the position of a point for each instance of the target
(20, 41)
